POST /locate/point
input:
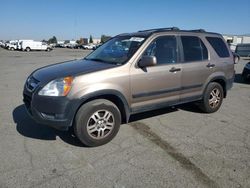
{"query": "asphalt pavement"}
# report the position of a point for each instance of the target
(171, 147)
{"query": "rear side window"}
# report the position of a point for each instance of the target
(194, 49)
(219, 46)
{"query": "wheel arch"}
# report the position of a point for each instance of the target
(112, 95)
(220, 80)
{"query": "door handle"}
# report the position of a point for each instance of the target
(209, 65)
(173, 69)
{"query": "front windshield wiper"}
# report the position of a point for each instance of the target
(100, 60)
(94, 59)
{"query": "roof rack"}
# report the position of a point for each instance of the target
(161, 29)
(198, 30)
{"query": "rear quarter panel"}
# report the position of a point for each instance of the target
(224, 67)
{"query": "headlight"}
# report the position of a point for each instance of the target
(58, 87)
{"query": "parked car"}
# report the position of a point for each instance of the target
(59, 46)
(243, 50)
(79, 46)
(28, 45)
(12, 45)
(129, 74)
(69, 45)
(2, 44)
(96, 46)
(246, 72)
(89, 46)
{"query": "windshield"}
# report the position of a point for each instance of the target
(117, 50)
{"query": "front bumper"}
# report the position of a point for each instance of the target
(56, 112)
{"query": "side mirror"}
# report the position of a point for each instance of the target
(147, 61)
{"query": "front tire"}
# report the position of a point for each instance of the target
(28, 49)
(212, 98)
(97, 122)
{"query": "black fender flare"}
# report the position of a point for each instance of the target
(99, 94)
(217, 78)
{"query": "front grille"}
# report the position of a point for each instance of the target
(31, 83)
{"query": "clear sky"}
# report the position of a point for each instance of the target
(72, 19)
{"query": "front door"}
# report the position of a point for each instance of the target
(158, 85)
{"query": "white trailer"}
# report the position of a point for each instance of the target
(28, 45)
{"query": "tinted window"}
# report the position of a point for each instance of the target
(219, 46)
(194, 49)
(164, 49)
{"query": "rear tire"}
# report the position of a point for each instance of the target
(212, 98)
(97, 122)
(12, 49)
(48, 49)
(28, 49)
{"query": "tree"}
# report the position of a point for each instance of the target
(90, 39)
(52, 40)
(104, 38)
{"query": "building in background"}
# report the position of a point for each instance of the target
(95, 41)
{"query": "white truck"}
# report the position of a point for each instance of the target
(28, 45)
(12, 45)
(19, 47)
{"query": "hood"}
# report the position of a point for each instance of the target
(69, 68)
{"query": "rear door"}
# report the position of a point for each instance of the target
(196, 67)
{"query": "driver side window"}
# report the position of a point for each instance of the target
(164, 49)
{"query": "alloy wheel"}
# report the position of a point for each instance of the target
(100, 124)
(214, 98)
